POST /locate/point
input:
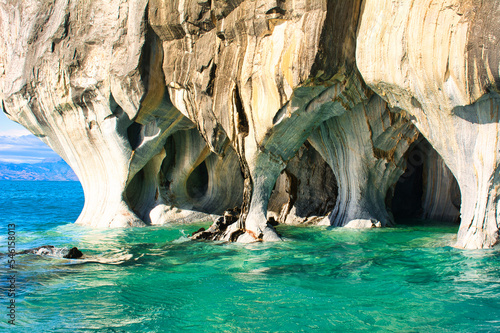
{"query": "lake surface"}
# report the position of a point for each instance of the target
(404, 279)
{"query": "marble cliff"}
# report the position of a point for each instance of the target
(343, 113)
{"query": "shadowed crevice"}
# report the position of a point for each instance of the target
(427, 189)
(135, 135)
(242, 121)
(197, 182)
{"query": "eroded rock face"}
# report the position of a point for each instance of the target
(440, 64)
(305, 191)
(179, 110)
(365, 148)
(441, 193)
(261, 74)
(84, 78)
(194, 181)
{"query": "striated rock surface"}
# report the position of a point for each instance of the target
(261, 74)
(441, 193)
(439, 62)
(305, 191)
(365, 148)
(297, 111)
(83, 76)
(196, 182)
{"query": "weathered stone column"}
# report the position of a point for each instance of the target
(83, 77)
(440, 63)
(261, 75)
(365, 149)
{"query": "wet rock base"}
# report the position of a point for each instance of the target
(50, 250)
(228, 228)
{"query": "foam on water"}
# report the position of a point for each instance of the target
(53, 252)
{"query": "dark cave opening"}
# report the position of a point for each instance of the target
(308, 185)
(427, 191)
(197, 182)
(135, 134)
(408, 192)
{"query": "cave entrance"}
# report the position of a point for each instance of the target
(306, 191)
(197, 182)
(180, 184)
(427, 191)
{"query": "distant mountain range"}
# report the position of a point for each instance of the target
(26, 157)
(52, 169)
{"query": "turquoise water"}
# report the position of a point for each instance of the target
(405, 279)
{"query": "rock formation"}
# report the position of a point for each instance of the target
(365, 148)
(263, 75)
(439, 62)
(50, 250)
(427, 189)
(297, 111)
(305, 191)
(441, 200)
(194, 181)
(81, 76)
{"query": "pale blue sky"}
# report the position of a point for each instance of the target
(9, 127)
(18, 145)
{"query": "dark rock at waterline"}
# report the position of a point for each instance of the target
(228, 228)
(73, 253)
(51, 250)
(215, 231)
(219, 230)
(201, 234)
(234, 236)
(199, 230)
(272, 221)
(231, 215)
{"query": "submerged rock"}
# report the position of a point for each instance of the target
(50, 250)
(44, 249)
(73, 253)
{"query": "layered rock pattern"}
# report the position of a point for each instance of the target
(77, 85)
(439, 62)
(297, 111)
(441, 193)
(365, 148)
(261, 75)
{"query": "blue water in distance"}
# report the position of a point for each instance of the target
(404, 279)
